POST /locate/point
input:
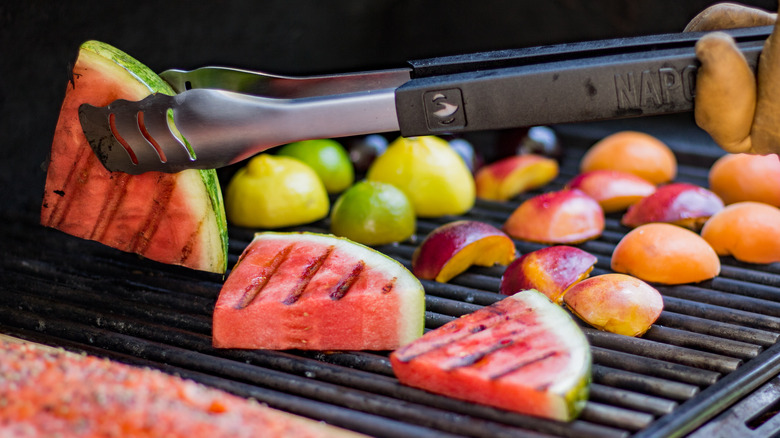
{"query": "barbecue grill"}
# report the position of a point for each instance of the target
(713, 345)
(708, 367)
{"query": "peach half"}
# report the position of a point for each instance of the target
(564, 216)
(614, 190)
(745, 177)
(453, 247)
(748, 231)
(616, 303)
(632, 152)
(682, 204)
(508, 177)
(551, 271)
(665, 253)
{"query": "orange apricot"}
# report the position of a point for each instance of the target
(665, 253)
(746, 177)
(633, 152)
(748, 231)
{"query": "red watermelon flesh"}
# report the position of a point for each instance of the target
(47, 392)
(523, 354)
(317, 292)
(170, 218)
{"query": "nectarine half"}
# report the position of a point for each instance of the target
(564, 216)
(551, 271)
(616, 303)
(453, 247)
(748, 231)
(634, 152)
(665, 253)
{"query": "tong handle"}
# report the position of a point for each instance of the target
(580, 82)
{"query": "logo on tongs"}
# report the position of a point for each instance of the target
(444, 109)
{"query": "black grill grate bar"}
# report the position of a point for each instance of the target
(717, 328)
(644, 384)
(666, 352)
(721, 313)
(624, 419)
(713, 344)
(631, 400)
(654, 367)
(711, 296)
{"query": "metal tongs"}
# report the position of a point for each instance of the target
(221, 116)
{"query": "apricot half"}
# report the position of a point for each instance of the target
(633, 152)
(453, 247)
(682, 204)
(551, 271)
(665, 253)
(508, 177)
(746, 177)
(748, 231)
(616, 303)
(614, 190)
(564, 216)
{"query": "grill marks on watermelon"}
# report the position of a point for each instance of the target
(342, 288)
(523, 353)
(309, 271)
(267, 271)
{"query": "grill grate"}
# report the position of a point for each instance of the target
(714, 342)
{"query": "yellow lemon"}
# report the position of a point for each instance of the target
(275, 191)
(328, 158)
(373, 213)
(430, 172)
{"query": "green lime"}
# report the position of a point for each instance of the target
(328, 158)
(373, 213)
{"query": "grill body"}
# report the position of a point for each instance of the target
(713, 345)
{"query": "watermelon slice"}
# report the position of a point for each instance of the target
(47, 392)
(170, 218)
(523, 354)
(317, 292)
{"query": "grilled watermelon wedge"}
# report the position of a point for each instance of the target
(170, 218)
(523, 354)
(314, 291)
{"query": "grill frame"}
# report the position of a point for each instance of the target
(82, 296)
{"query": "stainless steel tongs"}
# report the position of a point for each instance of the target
(221, 116)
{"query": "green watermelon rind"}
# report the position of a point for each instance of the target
(156, 84)
(578, 393)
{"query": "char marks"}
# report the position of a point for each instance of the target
(261, 280)
(110, 205)
(308, 273)
(346, 283)
(162, 197)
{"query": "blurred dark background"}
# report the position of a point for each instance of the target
(39, 40)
